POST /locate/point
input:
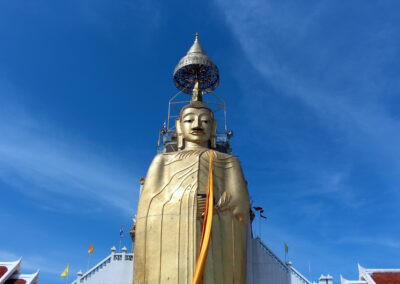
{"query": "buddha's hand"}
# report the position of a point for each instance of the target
(241, 211)
(223, 202)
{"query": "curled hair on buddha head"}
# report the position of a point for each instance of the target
(198, 105)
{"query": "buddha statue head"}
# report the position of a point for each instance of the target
(196, 126)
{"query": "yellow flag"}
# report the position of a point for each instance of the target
(65, 273)
(286, 248)
(90, 248)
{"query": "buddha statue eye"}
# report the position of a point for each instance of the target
(204, 121)
(188, 120)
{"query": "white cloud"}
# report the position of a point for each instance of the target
(8, 256)
(272, 34)
(345, 89)
(30, 263)
(59, 171)
(365, 240)
(97, 13)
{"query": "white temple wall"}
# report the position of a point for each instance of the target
(117, 268)
(264, 267)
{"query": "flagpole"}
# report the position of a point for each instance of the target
(120, 237)
(286, 250)
(88, 263)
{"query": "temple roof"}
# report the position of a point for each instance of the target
(386, 277)
(10, 274)
(375, 276)
(7, 269)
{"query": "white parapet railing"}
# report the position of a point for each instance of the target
(102, 264)
(113, 257)
(299, 275)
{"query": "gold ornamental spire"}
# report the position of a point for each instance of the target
(196, 47)
(195, 73)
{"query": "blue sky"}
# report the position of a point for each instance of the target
(312, 92)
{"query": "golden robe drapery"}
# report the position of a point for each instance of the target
(169, 221)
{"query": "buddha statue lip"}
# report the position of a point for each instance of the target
(197, 131)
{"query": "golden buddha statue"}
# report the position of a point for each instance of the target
(172, 201)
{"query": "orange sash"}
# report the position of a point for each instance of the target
(207, 225)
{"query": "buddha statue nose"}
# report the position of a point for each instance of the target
(196, 123)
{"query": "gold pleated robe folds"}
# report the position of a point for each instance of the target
(169, 219)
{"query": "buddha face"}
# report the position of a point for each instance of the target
(196, 125)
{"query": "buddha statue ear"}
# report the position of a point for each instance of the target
(213, 134)
(179, 134)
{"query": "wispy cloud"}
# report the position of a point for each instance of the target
(8, 256)
(31, 263)
(98, 13)
(298, 49)
(260, 26)
(59, 171)
(365, 240)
